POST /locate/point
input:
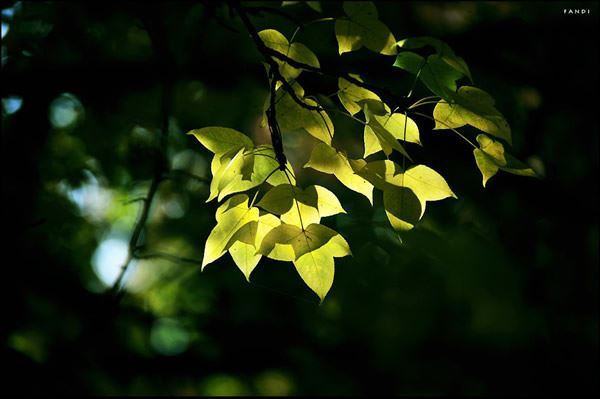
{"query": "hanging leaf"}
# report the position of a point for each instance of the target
(436, 74)
(327, 159)
(490, 157)
(425, 183)
(296, 51)
(395, 124)
(402, 207)
(317, 268)
(441, 48)
(245, 170)
(292, 116)
(473, 107)
(386, 140)
(301, 207)
(221, 139)
(245, 243)
(362, 27)
(352, 96)
(228, 223)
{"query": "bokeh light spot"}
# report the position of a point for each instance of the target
(168, 337)
(108, 259)
(12, 104)
(65, 111)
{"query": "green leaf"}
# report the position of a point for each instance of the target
(327, 159)
(296, 51)
(473, 107)
(436, 74)
(402, 207)
(395, 124)
(317, 267)
(441, 48)
(490, 157)
(246, 241)
(229, 170)
(292, 116)
(427, 185)
(221, 139)
(246, 170)
(312, 203)
(363, 28)
(386, 140)
(351, 96)
(228, 223)
(424, 182)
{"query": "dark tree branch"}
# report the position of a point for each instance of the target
(157, 32)
(266, 53)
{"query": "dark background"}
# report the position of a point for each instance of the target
(496, 292)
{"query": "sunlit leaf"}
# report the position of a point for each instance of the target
(425, 183)
(386, 140)
(362, 27)
(351, 96)
(317, 267)
(490, 157)
(473, 107)
(301, 207)
(402, 207)
(327, 159)
(436, 74)
(292, 116)
(228, 223)
(441, 48)
(395, 124)
(245, 243)
(221, 139)
(296, 51)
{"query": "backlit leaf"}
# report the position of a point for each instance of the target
(490, 157)
(327, 159)
(362, 27)
(441, 48)
(312, 203)
(402, 207)
(351, 95)
(246, 241)
(436, 74)
(292, 116)
(296, 51)
(317, 267)
(228, 223)
(474, 107)
(221, 139)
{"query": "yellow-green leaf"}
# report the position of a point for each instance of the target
(351, 95)
(473, 107)
(327, 159)
(362, 27)
(228, 223)
(317, 267)
(301, 207)
(402, 207)
(400, 126)
(296, 51)
(221, 139)
(490, 157)
(292, 116)
(246, 241)
(387, 141)
(301, 241)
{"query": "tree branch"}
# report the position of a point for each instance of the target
(157, 33)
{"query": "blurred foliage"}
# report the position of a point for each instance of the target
(496, 292)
